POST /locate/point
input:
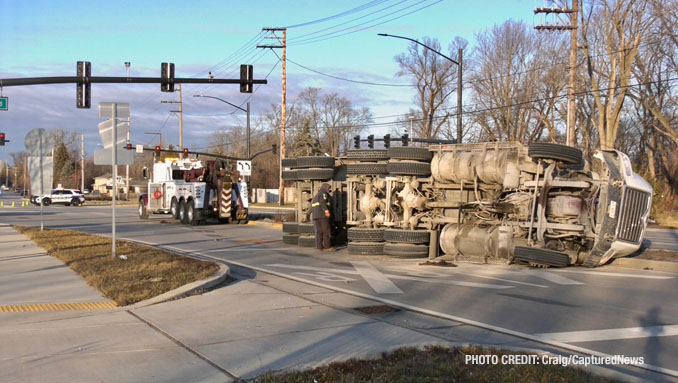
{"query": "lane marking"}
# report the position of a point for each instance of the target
(394, 276)
(429, 274)
(378, 281)
(607, 274)
(612, 334)
(58, 307)
(557, 279)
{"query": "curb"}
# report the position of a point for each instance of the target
(645, 264)
(190, 288)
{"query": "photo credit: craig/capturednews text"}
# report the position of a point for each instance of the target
(546, 359)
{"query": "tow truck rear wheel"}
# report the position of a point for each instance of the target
(191, 216)
(143, 213)
(182, 212)
(174, 208)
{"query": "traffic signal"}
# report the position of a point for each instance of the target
(356, 142)
(275, 149)
(387, 141)
(129, 146)
(167, 74)
(157, 149)
(83, 86)
(246, 74)
(370, 141)
(2, 139)
(186, 151)
(405, 138)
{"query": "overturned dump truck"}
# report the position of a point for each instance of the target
(541, 204)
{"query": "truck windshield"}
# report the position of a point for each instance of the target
(177, 174)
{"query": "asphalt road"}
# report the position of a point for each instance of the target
(605, 311)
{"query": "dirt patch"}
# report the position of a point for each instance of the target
(145, 273)
(658, 255)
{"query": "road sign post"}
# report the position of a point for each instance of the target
(114, 110)
(37, 142)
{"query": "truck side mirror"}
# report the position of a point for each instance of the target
(144, 173)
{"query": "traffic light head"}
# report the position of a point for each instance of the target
(129, 146)
(83, 86)
(2, 139)
(387, 141)
(405, 138)
(167, 74)
(370, 141)
(186, 151)
(157, 148)
(246, 74)
(275, 149)
(356, 142)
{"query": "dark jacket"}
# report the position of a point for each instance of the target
(321, 202)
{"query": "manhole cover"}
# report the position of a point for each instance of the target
(380, 309)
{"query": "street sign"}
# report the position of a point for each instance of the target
(34, 173)
(140, 148)
(3, 103)
(106, 133)
(33, 140)
(106, 109)
(245, 168)
(104, 157)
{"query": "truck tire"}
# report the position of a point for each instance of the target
(143, 213)
(290, 227)
(305, 228)
(315, 162)
(546, 257)
(290, 239)
(364, 234)
(288, 162)
(409, 168)
(290, 175)
(366, 169)
(306, 240)
(174, 208)
(548, 151)
(368, 155)
(406, 250)
(191, 213)
(410, 153)
(366, 248)
(182, 212)
(315, 174)
(407, 236)
(224, 220)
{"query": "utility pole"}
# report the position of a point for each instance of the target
(181, 120)
(459, 87)
(572, 27)
(283, 45)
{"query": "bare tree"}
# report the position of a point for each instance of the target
(611, 32)
(435, 80)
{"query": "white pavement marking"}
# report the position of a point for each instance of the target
(393, 276)
(428, 274)
(378, 281)
(557, 279)
(606, 274)
(612, 334)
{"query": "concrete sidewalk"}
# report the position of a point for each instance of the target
(256, 323)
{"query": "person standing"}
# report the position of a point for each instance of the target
(321, 211)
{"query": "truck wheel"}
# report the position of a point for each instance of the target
(366, 248)
(191, 216)
(182, 212)
(315, 162)
(289, 162)
(546, 257)
(365, 234)
(366, 169)
(290, 239)
(46, 202)
(143, 213)
(174, 208)
(368, 154)
(410, 153)
(306, 228)
(407, 236)
(548, 151)
(224, 220)
(307, 240)
(409, 168)
(406, 250)
(289, 175)
(315, 174)
(290, 227)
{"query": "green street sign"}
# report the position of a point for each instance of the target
(3, 103)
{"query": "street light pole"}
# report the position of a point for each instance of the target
(459, 77)
(239, 108)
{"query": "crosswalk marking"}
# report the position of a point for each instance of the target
(557, 279)
(612, 334)
(378, 281)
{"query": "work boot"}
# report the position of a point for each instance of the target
(330, 249)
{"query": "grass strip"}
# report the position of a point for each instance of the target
(147, 272)
(434, 364)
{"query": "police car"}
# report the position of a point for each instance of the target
(67, 197)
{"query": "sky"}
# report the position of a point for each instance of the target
(338, 38)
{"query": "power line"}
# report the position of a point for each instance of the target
(346, 79)
(338, 15)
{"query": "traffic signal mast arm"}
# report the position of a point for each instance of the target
(186, 151)
(113, 80)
